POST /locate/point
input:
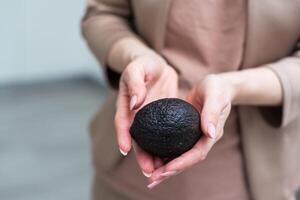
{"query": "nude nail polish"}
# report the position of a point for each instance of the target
(133, 101)
(211, 130)
(153, 184)
(169, 173)
(147, 174)
(123, 152)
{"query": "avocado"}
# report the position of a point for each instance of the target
(167, 127)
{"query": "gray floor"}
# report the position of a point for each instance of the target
(44, 150)
(44, 144)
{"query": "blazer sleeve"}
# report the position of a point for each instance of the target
(104, 23)
(288, 72)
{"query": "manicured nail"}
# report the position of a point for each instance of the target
(153, 184)
(169, 173)
(123, 152)
(133, 101)
(211, 130)
(147, 174)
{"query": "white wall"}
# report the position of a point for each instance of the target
(40, 39)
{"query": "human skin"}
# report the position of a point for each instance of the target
(146, 76)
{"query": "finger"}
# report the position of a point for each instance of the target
(211, 111)
(195, 99)
(134, 79)
(196, 154)
(222, 120)
(153, 184)
(123, 120)
(145, 160)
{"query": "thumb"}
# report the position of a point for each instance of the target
(195, 99)
(210, 117)
(134, 78)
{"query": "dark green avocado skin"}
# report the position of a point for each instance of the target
(167, 127)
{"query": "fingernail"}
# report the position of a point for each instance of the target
(153, 184)
(123, 152)
(211, 130)
(147, 174)
(169, 173)
(133, 101)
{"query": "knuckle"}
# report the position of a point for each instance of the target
(117, 120)
(126, 76)
(131, 66)
(129, 71)
(180, 164)
(203, 156)
(210, 114)
(134, 88)
(226, 110)
(213, 113)
(172, 70)
(220, 135)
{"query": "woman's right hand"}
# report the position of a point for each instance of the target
(147, 78)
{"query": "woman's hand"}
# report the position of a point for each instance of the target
(212, 97)
(147, 78)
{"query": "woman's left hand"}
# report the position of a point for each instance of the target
(212, 97)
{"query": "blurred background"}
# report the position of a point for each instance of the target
(50, 87)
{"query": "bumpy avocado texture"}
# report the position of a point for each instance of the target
(167, 127)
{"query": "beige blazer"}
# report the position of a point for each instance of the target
(270, 136)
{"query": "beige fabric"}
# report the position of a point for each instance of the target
(103, 191)
(271, 153)
(204, 37)
(208, 37)
(122, 174)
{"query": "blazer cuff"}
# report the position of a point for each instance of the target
(288, 72)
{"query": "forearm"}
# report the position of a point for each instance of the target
(124, 51)
(258, 86)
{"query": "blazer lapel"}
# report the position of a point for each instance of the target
(272, 30)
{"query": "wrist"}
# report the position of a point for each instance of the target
(125, 51)
(234, 82)
(146, 53)
(258, 86)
